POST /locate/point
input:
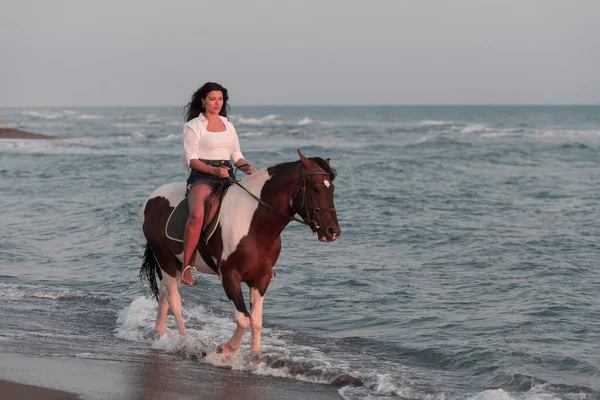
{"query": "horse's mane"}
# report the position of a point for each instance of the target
(322, 163)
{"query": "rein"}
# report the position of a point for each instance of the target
(311, 223)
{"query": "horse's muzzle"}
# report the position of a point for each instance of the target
(330, 235)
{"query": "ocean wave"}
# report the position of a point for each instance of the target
(567, 132)
(46, 114)
(153, 118)
(436, 123)
(53, 115)
(280, 357)
(252, 134)
(19, 291)
(268, 119)
(295, 132)
(174, 137)
(86, 145)
(476, 128)
(88, 116)
(304, 121)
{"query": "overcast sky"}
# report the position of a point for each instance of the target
(147, 52)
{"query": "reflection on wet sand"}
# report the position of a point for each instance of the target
(168, 376)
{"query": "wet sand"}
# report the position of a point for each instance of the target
(154, 375)
(12, 133)
(12, 390)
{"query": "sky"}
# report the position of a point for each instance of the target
(300, 52)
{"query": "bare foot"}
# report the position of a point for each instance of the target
(186, 276)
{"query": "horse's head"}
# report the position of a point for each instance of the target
(313, 200)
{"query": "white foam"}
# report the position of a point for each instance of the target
(88, 116)
(252, 134)
(428, 138)
(139, 134)
(205, 331)
(17, 292)
(80, 146)
(304, 121)
(429, 122)
(126, 124)
(45, 114)
(153, 119)
(492, 394)
(268, 119)
(537, 392)
(13, 294)
(476, 128)
(565, 132)
(170, 138)
(53, 115)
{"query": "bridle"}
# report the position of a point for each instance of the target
(308, 221)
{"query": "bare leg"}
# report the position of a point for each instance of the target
(256, 311)
(196, 198)
(163, 307)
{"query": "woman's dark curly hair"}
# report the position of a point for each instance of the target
(195, 106)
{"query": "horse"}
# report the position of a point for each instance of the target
(241, 240)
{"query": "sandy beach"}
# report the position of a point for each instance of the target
(159, 376)
(12, 133)
(13, 390)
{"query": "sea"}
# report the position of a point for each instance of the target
(467, 266)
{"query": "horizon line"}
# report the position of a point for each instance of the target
(324, 105)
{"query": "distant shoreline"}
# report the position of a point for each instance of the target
(12, 133)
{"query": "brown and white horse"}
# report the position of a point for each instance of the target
(246, 242)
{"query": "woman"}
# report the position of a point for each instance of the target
(209, 142)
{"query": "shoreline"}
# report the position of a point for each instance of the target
(13, 133)
(150, 375)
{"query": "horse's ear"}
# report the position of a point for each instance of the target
(327, 160)
(303, 159)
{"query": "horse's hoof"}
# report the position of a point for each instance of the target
(225, 349)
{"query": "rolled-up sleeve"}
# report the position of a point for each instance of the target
(236, 153)
(191, 146)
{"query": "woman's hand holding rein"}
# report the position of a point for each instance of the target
(221, 172)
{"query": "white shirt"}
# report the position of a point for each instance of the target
(198, 142)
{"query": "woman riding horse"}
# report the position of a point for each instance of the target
(246, 241)
(209, 142)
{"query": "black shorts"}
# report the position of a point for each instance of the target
(201, 178)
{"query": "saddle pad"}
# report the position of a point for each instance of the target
(176, 223)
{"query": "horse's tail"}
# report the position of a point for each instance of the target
(149, 270)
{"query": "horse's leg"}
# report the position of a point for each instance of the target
(232, 285)
(168, 263)
(233, 344)
(163, 307)
(256, 307)
(174, 300)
